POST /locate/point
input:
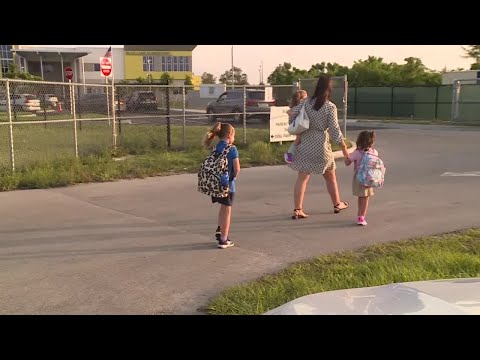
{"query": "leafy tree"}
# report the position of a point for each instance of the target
(166, 78)
(208, 78)
(286, 74)
(188, 80)
(372, 71)
(239, 77)
(473, 51)
(14, 73)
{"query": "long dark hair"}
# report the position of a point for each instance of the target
(322, 91)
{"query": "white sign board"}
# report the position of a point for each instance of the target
(279, 124)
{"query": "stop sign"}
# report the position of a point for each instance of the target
(105, 66)
(68, 72)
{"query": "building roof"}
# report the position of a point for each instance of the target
(50, 54)
(159, 47)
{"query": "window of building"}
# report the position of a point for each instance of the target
(176, 63)
(23, 64)
(96, 67)
(164, 63)
(6, 66)
(148, 63)
(6, 52)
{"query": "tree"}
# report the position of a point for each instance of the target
(141, 80)
(473, 51)
(14, 73)
(475, 66)
(208, 78)
(188, 80)
(372, 71)
(286, 74)
(239, 77)
(166, 78)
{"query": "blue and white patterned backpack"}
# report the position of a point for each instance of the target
(371, 171)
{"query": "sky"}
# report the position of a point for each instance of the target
(216, 59)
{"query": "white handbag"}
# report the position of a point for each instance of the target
(300, 123)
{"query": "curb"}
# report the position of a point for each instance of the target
(339, 155)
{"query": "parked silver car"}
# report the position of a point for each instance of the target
(437, 297)
(232, 101)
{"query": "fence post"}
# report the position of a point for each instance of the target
(391, 101)
(184, 119)
(436, 102)
(108, 104)
(72, 102)
(455, 99)
(10, 127)
(244, 114)
(80, 107)
(355, 101)
(345, 105)
(167, 99)
(119, 110)
(114, 122)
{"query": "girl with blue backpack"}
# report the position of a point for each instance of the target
(369, 172)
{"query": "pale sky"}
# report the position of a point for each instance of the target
(216, 59)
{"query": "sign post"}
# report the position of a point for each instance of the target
(106, 70)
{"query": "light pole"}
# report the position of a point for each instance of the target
(233, 72)
(261, 66)
(149, 62)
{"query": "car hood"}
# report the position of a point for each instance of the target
(441, 297)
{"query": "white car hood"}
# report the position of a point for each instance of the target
(441, 297)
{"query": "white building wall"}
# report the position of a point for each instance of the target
(449, 77)
(89, 61)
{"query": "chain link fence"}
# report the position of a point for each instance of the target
(44, 121)
(416, 102)
(466, 101)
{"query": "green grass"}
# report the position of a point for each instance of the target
(453, 255)
(44, 156)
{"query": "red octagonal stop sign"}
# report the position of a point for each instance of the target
(68, 72)
(106, 66)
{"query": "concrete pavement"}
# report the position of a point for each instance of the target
(147, 246)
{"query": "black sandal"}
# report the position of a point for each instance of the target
(336, 208)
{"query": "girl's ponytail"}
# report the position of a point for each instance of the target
(209, 136)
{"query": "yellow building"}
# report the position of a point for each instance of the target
(154, 60)
(196, 81)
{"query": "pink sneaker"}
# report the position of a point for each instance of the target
(288, 158)
(361, 221)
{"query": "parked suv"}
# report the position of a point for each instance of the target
(142, 100)
(232, 101)
(96, 103)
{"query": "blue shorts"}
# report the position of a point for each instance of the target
(227, 201)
